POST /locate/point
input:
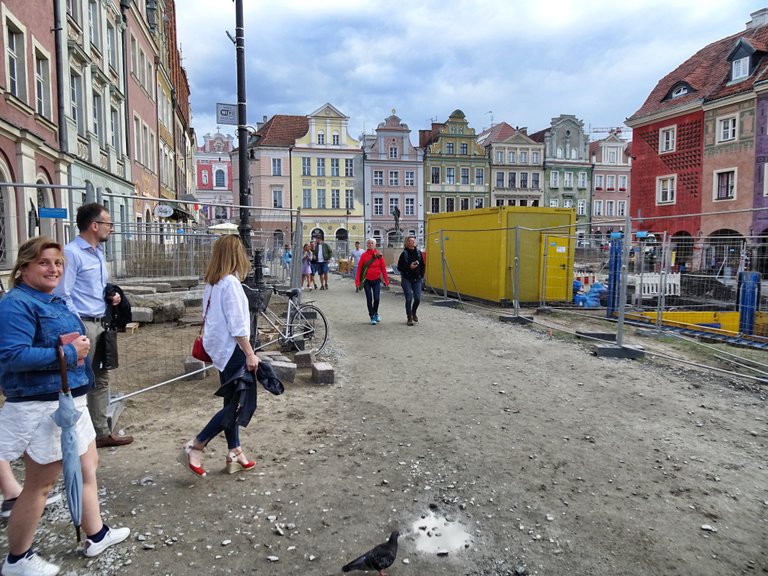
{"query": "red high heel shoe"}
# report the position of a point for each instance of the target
(235, 464)
(184, 460)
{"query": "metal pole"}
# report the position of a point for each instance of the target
(516, 280)
(623, 282)
(242, 130)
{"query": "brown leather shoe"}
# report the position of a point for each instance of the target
(112, 440)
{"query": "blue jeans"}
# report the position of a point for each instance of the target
(412, 291)
(372, 292)
(215, 426)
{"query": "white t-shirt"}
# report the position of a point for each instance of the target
(228, 318)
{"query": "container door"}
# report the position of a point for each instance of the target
(556, 273)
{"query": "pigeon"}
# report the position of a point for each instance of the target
(378, 558)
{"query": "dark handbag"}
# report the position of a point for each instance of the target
(105, 355)
(198, 350)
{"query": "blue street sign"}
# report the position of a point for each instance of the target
(44, 212)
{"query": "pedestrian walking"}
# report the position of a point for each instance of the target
(354, 258)
(323, 254)
(35, 322)
(285, 259)
(226, 338)
(306, 267)
(411, 268)
(370, 273)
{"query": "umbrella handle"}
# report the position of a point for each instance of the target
(63, 368)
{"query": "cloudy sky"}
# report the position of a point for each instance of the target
(497, 60)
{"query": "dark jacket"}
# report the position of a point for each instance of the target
(121, 314)
(404, 264)
(241, 391)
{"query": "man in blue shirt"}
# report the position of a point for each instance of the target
(85, 277)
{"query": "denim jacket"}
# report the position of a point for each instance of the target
(29, 364)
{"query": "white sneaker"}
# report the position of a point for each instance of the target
(113, 536)
(30, 565)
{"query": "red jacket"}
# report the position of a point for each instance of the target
(376, 270)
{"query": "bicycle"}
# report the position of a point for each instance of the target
(303, 327)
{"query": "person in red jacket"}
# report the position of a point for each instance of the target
(370, 271)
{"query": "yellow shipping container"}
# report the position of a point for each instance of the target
(478, 248)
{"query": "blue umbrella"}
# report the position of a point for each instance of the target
(66, 416)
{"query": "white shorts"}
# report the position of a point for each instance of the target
(28, 427)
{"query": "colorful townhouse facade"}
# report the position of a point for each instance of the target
(699, 154)
(611, 189)
(214, 186)
(393, 185)
(456, 167)
(516, 166)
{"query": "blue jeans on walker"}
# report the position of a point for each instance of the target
(215, 426)
(372, 293)
(412, 292)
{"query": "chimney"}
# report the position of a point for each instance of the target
(759, 18)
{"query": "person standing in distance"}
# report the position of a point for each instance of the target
(85, 277)
(370, 272)
(411, 268)
(354, 257)
(323, 254)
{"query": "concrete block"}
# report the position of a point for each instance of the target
(192, 364)
(614, 351)
(160, 287)
(138, 290)
(322, 373)
(143, 315)
(286, 371)
(281, 359)
(268, 355)
(304, 358)
(515, 319)
(607, 336)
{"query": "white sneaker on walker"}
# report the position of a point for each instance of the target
(113, 536)
(30, 565)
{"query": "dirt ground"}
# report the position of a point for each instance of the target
(494, 448)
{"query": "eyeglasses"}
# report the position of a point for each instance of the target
(110, 224)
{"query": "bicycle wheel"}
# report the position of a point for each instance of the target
(312, 327)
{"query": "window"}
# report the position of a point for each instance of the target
(321, 137)
(349, 198)
(320, 167)
(134, 55)
(523, 179)
(665, 190)
(599, 181)
(535, 180)
(349, 170)
(725, 185)
(378, 177)
(220, 179)
(435, 175)
(142, 68)
(554, 180)
(479, 176)
(511, 157)
(378, 206)
(410, 178)
(740, 68)
(393, 151)
(306, 201)
(499, 201)
(535, 157)
(479, 203)
(73, 9)
(499, 156)
(680, 91)
(114, 131)
(610, 182)
(622, 183)
(667, 139)
(568, 180)
(582, 179)
(435, 205)
(335, 139)
(463, 148)
(581, 207)
(306, 166)
(394, 178)
(465, 175)
(98, 117)
(450, 175)
(137, 145)
(410, 206)
(277, 197)
(499, 179)
(609, 206)
(450, 204)
(335, 167)
(111, 46)
(76, 105)
(16, 65)
(568, 203)
(93, 22)
(449, 148)
(512, 180)
(321, 198)
(335, 198)
(204, 177)
(554, 203)
(42, 85)
(523, 157)
(726, 130)
(277, 168)
(394, 202)
(621, 208)
(611, 156)
(464, 204)
(597, 208)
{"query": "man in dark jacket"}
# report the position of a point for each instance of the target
(323, 255)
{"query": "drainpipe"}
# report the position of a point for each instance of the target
(125, 5)
(59, 39)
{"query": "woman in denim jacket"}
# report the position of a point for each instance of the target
(34, 321)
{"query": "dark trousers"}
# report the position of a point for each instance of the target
(216, 425)
(372, 293)
(412, 292)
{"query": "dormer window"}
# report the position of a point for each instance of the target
(740, 68)
(680, 91)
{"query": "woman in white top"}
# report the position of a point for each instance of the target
(226, 337)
